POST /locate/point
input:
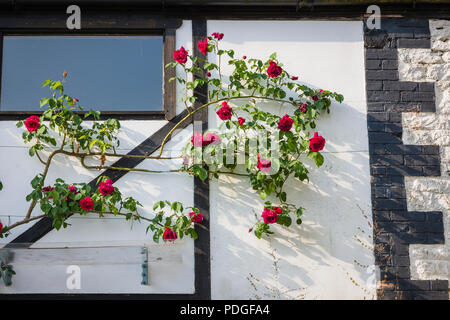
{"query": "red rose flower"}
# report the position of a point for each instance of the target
(47, 189)
(241, 121)
(32, 123)
(180, 55)
(294, 78)
(72, 188)
(316, 143)
(274, 70)
(225, 112)
(1, 227)
(169, 234)
(244, 57)
(106, 188)
(197, 140)
(315, 97)
(211, 138)
(87, 204)
(269, 216)
(277, 210)
(263, 165)
(285, 123)
(208, 74)
(75, 100)
(303, 108)
(218, 36)
(250, 230)
(196, 217)
(203, 46)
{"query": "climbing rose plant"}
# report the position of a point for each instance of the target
(236, 99)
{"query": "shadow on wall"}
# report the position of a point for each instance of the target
(328, 256)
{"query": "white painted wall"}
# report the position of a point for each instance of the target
(326, 258)
(320, 259)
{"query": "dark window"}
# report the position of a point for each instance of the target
(107, 73)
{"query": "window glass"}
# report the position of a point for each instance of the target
(108, 73)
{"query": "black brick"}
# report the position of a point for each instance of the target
(434, 216)
(407, 216)
(431, 171)
(417, 96)
(433, 238)
(375, 106)
(413, 43)
(403, 107)
(403, 149)
(429, 295)
(389, 65)
(427, 107)
(375, 126)
(422, 160)
(386, 160)
(374, 85)
(430, 149)
(393, 128)
(404, 284)
(401, 170)
(383, 96)
(400, 85)
(377, 116)
(426, 86)
(381, 75)
(374, 64)
(395, 117)
(379, 137)
(439, 285)
(389, 204)
(390, 54)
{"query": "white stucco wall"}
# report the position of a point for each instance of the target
(328, 255)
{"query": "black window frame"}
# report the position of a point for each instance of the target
(112, 24)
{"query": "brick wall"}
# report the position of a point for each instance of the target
(396, 228)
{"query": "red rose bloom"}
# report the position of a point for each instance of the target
(303, 108)
(274, 70)
(106, 188)
(208, 74)
(180, 55)
(32, 123)
(285, 123)
(263, 165)
(277, 210)
(241, 121)
(315, 97)
(197, 140)
(87, 204)
(211, 138)
(169, 234)
(203, 46)
(72, 188)
(225, 112)
(244, 57)
(316, 143)
(196, 217)
(269, 216)
(47, 189)
(218, 36)
(294, 78)
(1, 227)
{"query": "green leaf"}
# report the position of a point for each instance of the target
(318, 159)
(263, 195)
